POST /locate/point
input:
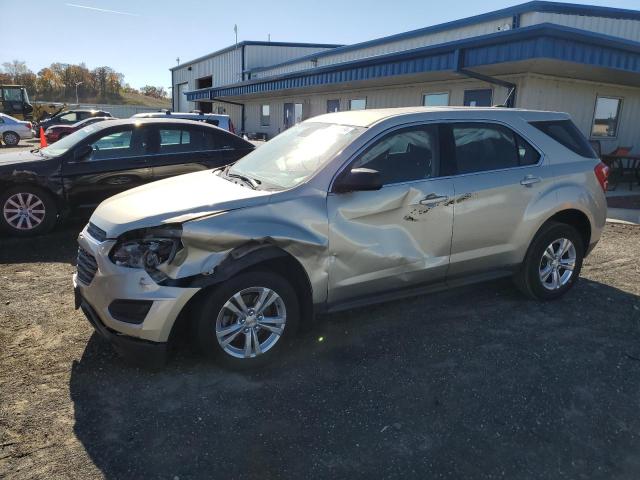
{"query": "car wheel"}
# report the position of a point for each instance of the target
(552, 264)
(27, 211)
(11, 138)
(247, 320)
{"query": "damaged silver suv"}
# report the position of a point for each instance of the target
(342, 210)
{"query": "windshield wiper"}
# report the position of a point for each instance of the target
(253, 183)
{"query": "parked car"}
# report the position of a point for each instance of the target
(69, 117)
(342, 210)
(100, 160)
(12, 130)
(57, 132)
(218, 120)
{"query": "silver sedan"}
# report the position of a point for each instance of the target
(12, 130)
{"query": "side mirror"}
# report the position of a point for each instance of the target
(359, 180)
(82, 152)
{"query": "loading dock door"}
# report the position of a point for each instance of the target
(181, 104)
(478, 98)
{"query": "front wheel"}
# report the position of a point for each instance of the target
(27, 210)
(11, 139)
(552, 264)
(247, 320)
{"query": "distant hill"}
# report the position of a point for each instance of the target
(129, 98)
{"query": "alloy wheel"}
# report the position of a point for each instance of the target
(24, 211)
(557, 264)
(11, 138)
(251, 322)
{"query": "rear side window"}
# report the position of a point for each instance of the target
(567, 134)
(482, 147)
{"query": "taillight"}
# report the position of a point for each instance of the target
(602, 174)
(29, 126)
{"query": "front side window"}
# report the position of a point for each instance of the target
(114, 145)
(435, 99)
(358, 104)
(408, 155)
(606, 117)
(296, 154)
(481, 147)
(265, 115)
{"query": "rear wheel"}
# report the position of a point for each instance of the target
(11, 138)
(552, 264)
(247, 320)
(26, 211)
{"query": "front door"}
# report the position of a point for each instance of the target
(116, 162)
(478, 98)
(399, 236)
(496, 174)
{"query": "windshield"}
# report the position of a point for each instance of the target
(25, 95)
(296, 154)
(63, 145)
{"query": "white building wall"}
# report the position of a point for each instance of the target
(265, 55)
(393, 96)
(617, 27)
(578, 98)
(425, 40)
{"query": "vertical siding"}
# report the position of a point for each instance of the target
(393, 96)
(578, 98)
(265, 55)
(427, 39)
(617, 27)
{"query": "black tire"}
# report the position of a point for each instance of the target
(8, 210)
(528, 278)
(211, 306)
(11, 139)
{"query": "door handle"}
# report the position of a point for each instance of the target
(530, 180)
(433, 198)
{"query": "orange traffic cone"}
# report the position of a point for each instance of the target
(43, 139)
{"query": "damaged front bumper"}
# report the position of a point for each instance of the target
(125, 305)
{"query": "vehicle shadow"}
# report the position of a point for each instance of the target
(466, 383)
(60, 245)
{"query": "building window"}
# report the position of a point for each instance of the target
(357, 104)
(265, 114)
(478, 98)
(333, 106)
(435, 99)
(606, 117)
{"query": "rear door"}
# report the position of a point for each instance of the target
(180, 149)
(496, 175)
(116, 162)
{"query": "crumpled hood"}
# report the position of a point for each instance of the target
(19, 157)
(174, 200)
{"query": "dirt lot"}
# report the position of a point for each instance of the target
(470, 383)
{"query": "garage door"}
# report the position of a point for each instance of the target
(182, 98)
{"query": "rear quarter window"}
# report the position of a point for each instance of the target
(567, 134)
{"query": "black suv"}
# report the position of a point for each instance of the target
(101, 160)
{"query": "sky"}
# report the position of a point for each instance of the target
(143, 38)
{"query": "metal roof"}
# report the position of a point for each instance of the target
(534, 6)
(540, 41)
(258, 43)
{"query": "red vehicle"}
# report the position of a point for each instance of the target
(56, 132)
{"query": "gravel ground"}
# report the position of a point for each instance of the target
(469, 383)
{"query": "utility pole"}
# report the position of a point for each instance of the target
(235, 30)
(177, 60)
(77, 83)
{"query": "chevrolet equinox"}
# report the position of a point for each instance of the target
(339, 211)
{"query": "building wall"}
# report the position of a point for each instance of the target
(265, 55)
(427, 39)
(578, 98)
(537, 92)
(617, 27)
(393, 96)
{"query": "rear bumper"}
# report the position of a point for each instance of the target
(134, 350)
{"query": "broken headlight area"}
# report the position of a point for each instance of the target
(147, 249)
